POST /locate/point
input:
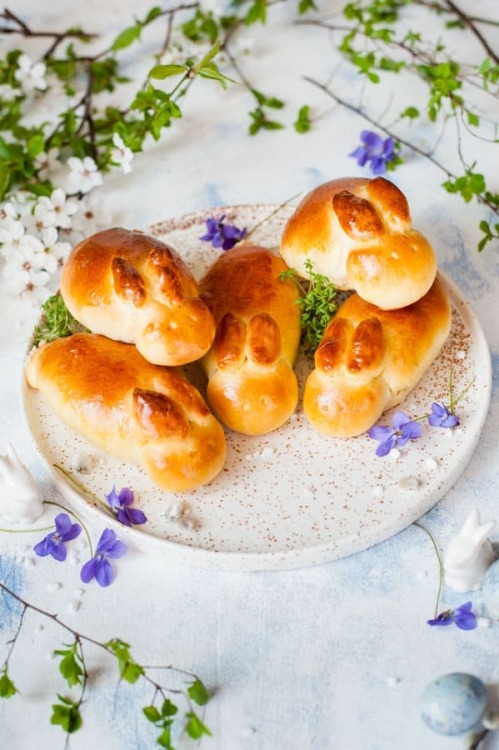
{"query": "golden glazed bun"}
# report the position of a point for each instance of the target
(369, 359)
(140, 412)
(251, 384)
(133, 288)
(359, 234)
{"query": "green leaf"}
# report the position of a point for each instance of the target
(67, 715)
(257, 12)
(129, 669)
(473, 119)
(69, 667)
(411, 112)
(209, 56)
(4, 179)
(152, 714)
(127, 37)
(305, 5)
(168, 708)
(198, 693)
(195, 727)
(165, 738)
(302, 123)
(7, 687)
(153, 13)
(165, 71)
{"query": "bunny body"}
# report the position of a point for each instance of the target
(20, 499)
(468, 555)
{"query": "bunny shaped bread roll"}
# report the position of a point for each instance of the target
(251, 384)
(130, 408)
(359, 234)
(133, 288)
(369, 359)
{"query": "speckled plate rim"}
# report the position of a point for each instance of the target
(198, 557)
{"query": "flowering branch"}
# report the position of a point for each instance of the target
(161, 712)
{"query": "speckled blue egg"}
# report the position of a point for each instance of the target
(490, 589)
(454, 703)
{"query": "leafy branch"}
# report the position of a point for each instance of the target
(162, 712)
(372, 40)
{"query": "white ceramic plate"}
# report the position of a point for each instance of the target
(291, 498)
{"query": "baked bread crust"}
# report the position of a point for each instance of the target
(134, 288)
(369, 359)
(358, 232)
(252, 387)
(140, 412)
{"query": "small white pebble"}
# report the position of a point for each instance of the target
(81, 462)
(457, 431)
(29, 562)
(74, 605)
(75, 559)
(392, 681)
(394, 454)
(55, 586)
(460, 354)
(409, 483)
(483, 622)
(378, 491)
(431, 464)
(249, 457)
(79, 593)
(267, 452)
(448, 435)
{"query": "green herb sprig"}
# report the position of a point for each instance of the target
(56, 322)
(318, 304)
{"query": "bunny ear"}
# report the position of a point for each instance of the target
(483, 532)
(472, 523)
(11, 453)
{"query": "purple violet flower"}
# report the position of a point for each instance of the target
(376, 150)
(463, 617)
(441, 417)
(54, 543)
(120, 503)
(222, 235)
(402, 430)
(99, 566)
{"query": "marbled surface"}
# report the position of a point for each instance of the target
(335, 655)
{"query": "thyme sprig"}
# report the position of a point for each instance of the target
(318, 304)
(56, 321)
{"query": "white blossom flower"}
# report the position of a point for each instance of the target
(8, 93)
(90, 217)
(55, 211)
(59, 251)
(28, 269)
(121, 154)
(15, 237)
(215, 7)
(47, 163)
(245, 45)
(84, 174)
(8, 215)
(29, 284)
(31, 75)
